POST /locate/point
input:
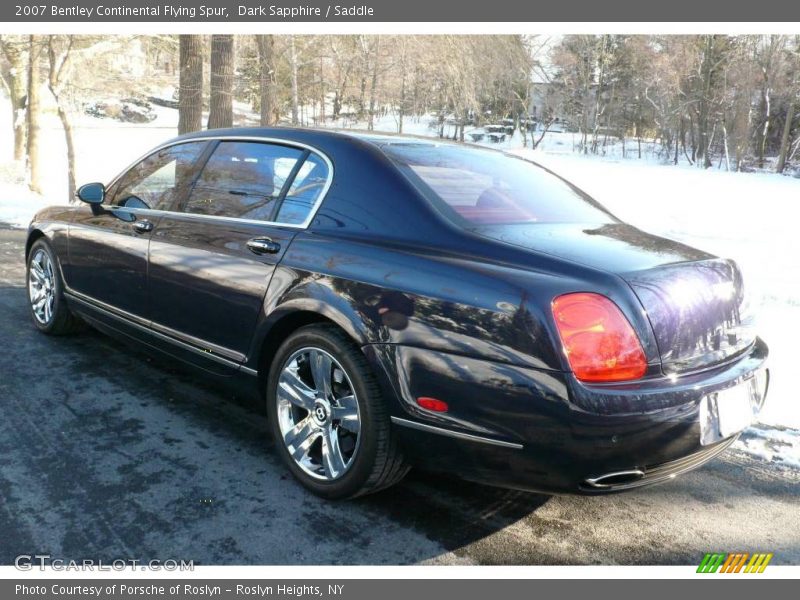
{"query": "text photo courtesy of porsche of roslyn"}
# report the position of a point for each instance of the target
(311, 297)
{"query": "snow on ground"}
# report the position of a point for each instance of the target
(778, 446)
(752, 218)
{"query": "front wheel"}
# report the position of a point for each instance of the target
(49, 311)
(327, 416)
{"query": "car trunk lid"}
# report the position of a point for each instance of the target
(698, 312)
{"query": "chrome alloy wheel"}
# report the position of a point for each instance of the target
(42, 286)
(318, 414)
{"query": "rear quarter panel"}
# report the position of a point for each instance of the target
(382, 295)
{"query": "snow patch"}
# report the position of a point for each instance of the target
(778, 446)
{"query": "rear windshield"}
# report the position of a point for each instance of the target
(485, 187)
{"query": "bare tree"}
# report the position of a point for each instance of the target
(59, 53)
(190, 87)
(793, 80)
(268, 85)
(768, 56)
(13, 72)
(343, 51)
(33, 114)
(220, 112)
(294, 67)
(373, 87)
(785, 138)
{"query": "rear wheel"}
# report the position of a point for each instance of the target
(328, 419)
(46, 292)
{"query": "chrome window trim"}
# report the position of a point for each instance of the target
(455, 434)
(234, 138)
(152, 212)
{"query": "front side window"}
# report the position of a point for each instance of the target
(485, 187)
(157, 180)
(243, 180)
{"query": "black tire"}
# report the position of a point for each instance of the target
(377, 462)
(61, 321)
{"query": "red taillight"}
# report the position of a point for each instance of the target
(598, 340)
(433, 404)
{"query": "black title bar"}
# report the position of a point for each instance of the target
(461, 11)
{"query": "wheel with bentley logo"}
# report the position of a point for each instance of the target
(328, 419)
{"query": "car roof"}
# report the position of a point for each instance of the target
(309, 134)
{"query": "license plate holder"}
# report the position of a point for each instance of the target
(727, 412)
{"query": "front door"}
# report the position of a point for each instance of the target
(212, 260)
(108, 245)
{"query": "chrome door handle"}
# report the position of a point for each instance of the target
(143, 226)
(263, 246)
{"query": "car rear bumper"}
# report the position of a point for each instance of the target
(545, 431)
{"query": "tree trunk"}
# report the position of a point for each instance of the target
(725, 140)
(402, 101)
(220, 112)
(707, 69)
(15, 78)
(34, 114)
(678, 135)
(322, 86)
(337, 104)
(787, 130)
(55, 80)
(295, 92)
(190, 94)
(268, 86)
(362, 94)
(66, 124)
(545, 128)
(762, 146)
(373, 88)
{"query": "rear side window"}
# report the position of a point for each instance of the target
(157, 180)
(307, 187)
(243, 180)
(484, 187)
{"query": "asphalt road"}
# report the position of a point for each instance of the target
(106, 453)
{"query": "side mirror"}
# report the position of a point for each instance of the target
(92, 193)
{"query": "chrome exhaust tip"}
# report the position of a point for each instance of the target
(617, 478)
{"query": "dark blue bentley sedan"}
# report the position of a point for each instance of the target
(399, 301)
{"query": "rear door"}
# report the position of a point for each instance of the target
(108, 245)
(212, 259)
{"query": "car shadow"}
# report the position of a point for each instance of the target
(453, 512)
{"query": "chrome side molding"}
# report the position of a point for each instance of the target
(455, 434)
